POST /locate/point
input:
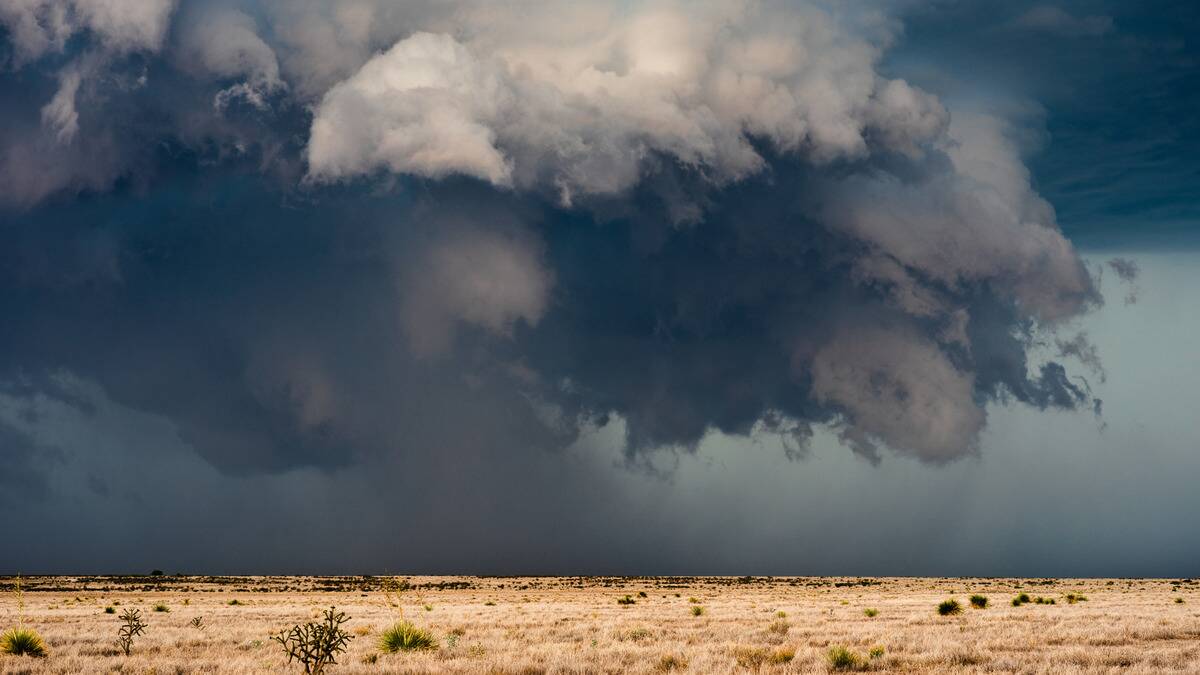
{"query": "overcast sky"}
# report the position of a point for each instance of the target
(811, 287)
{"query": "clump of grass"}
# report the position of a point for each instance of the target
(234, 602)
(781, 614)
(428, 608)
(669, 662)
(489, 603)
(627, 600)
(979, 601)
(370, 659)
(876, 652)
(405, 637)
(1020, 600)
(949, 607)
(1073, 598)
(697, 610)
(779, 627)
(23, 642)
(197, 622)
(871, 612)
(1179, 601)
(161, 608)
(841, 658)
(110, 610)
(781, 656)
(641, 594)
(751, 658)
(1039, 600)
(694, 601)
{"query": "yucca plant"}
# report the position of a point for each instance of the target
(405, 637)
(949, 607)
(22, 642)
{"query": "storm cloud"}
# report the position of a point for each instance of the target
(447, 237)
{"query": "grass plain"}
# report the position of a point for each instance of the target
(533, 625)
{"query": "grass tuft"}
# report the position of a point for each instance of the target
(979, 601)
(23, 642)
(949, 607)
(697, 610)
(668, 662)
(871, 612)
(841, 658)
(405, 637)
(161, 608)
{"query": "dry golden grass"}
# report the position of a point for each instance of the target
(575, 625)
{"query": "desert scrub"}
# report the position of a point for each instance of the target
(779, 627)
(110, 610)
(405, 637)
(697, 610)
(234, 602)
(1020, 600)
(627, 600)
(1073, 598)
(870, 612)
(875, 653)
(979, 601)
(316, 645)
(841, 658)
(161, 608)
(949, 607)
(669, 662)
(23, 641)
(782, 655)
(752, 658)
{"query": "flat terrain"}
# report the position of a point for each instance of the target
(576, 625)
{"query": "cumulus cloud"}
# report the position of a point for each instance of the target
(40, 27)
(223, 43)
(590, 116)
(714, 217)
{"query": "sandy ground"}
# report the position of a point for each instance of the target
(575, 624)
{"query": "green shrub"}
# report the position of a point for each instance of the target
(1179, 601)
(949, 607)
(871, 612)
(841, 658)
(110, 610)
(876, 652)
(405, 637)
(979, 601)
(697, 610)
(22, 642)
(161, 608)
(779, 627)
(751, 658)
(1020, 600)
(626, 601)
(234, 602)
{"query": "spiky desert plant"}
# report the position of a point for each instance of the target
(316, 645)
(131, 627)
(979, 601)
(949, 607)
(405, 637)
(22, 641)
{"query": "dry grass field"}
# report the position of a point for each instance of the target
(576, 624)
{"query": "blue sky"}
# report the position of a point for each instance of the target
(762, 288)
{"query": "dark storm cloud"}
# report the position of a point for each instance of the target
(435, 240)
(701, 229)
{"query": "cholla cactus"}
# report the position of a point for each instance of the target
(131, 627)
(316, 645)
